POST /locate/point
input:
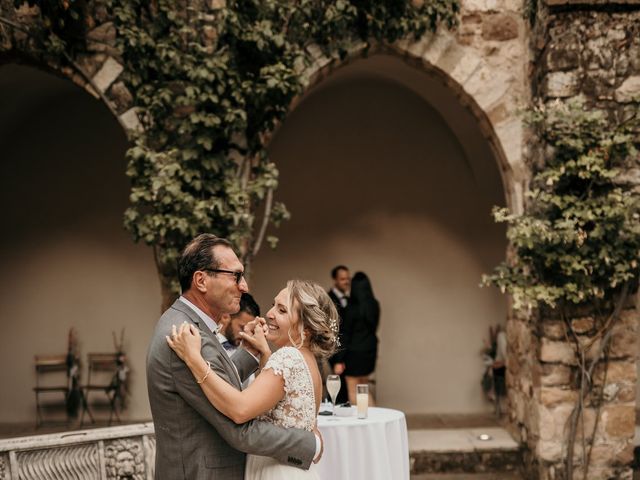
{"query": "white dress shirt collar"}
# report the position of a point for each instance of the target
(342, 298)
(210, 322)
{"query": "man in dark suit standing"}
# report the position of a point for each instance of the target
(194, 441)
(339, 293)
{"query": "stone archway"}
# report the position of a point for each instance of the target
(484, 63)
(68, 260)
(96, 69)
(490, 96)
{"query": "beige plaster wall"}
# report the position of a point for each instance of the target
(66, 260)
(375, 179)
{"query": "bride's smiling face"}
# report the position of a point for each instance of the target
(281, 320)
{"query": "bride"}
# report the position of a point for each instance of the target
(303, 324)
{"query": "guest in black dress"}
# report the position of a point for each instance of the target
(361, 318)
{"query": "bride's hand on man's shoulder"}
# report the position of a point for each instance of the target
(184, 340)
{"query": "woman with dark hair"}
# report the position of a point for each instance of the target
(360, 343)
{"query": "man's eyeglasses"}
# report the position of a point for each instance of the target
(238, 275)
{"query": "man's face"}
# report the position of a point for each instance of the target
(236, 325)
(342, 281)
(223, 293)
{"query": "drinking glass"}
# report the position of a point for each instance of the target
(333, 387)
(362, 399)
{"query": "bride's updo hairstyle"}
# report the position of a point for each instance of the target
(318, 317)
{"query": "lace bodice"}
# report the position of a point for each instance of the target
(297, 409)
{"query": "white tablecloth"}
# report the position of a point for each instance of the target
(375, 448)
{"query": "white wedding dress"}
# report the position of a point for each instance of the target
(297, 409)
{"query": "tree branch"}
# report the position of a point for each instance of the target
(587, 375)
(265, 222)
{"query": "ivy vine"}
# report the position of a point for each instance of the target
(211, 84)
(578, 242)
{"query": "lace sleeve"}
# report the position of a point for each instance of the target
(297, 408)
(286, 363)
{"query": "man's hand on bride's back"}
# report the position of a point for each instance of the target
(253, 337)
(185, 341)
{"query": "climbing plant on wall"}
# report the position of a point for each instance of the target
(212, 86)
(578, 242)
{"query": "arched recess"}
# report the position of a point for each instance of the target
(492, 92)
(433, 323)
(67, 260)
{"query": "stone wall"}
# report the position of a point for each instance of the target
(594, 53)
(591, 53)
(96, 67)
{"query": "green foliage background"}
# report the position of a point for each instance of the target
(211, 84)
(579, 239)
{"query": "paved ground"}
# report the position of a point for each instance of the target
(423, 422)
(435, 433)
(465, 476)
(461, 440)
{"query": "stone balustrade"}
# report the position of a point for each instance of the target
(124, 452)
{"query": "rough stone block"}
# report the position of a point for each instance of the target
(552, 422)
(582, 325)
(634, 57)
(479, 5)
(510, 134)
(562, 84)
(619, 421)
(565, 54)
(435, 47)
(617, 372)
(599, 53)
(465, 67)
(130, 120)
(550, 451)
(107, 74)
(591, 347)
(554, 329)
(552, 396)
(105, 33)
(599, 84)
(555, 375)
(557, 352)
(629, 90)
(624, 339)
(121, 97)
(626, 393)
(496, 89)
(500, 27)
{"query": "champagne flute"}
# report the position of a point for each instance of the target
(333, 387)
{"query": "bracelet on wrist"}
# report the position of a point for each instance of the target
(206, 374)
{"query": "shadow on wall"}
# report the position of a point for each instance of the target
(67, 260)
(375, 179)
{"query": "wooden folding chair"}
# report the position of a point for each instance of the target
(103, 370)
(51, 377)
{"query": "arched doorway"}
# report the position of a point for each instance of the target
(386, 171)
(67, 261)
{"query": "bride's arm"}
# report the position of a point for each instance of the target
(262, 395)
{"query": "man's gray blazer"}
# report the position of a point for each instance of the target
(194, 440)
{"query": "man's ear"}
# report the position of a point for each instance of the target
(199, 281)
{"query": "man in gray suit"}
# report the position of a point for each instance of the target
(193, 439)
